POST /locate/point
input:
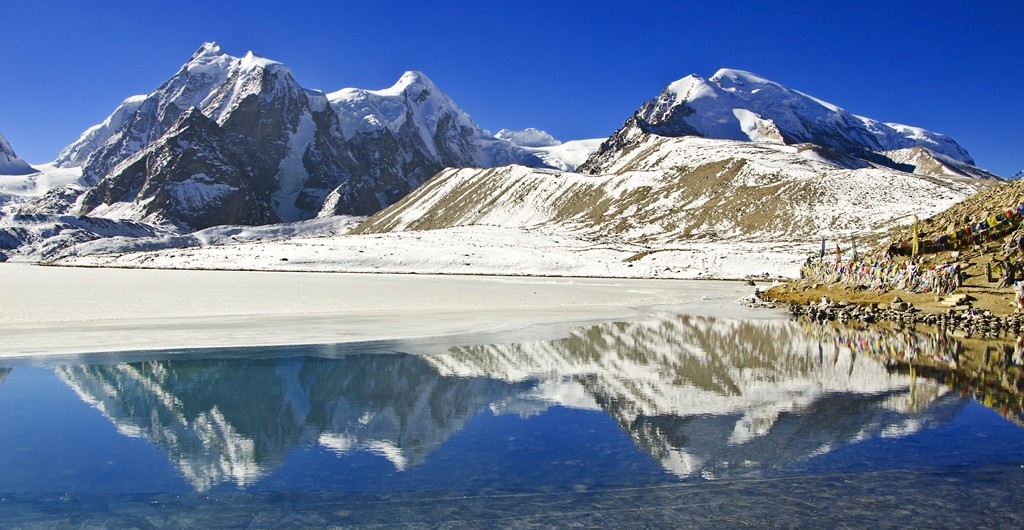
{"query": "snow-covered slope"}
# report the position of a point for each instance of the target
(672, 190)
(94, 137)
(10, 162)
(43, 178)
(415, 104)
(922, 161)
(738, 105)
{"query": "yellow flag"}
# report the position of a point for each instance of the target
(913, 251)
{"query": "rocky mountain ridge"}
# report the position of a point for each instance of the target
(359, 150)
(735, 158)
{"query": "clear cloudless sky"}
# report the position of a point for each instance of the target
(576, 69)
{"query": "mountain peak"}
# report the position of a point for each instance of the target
(252, 61)
(208, 49)
(411, 80)
(739, 105)
(738, 77)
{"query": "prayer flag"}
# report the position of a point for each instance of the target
(914, 249)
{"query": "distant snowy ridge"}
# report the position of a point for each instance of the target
(737, 105)
(566, 156)
(10, 162)
(922, 161)
(529, 137)
(94, 137)
(415, 102)
(679, 207)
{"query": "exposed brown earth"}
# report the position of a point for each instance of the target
(983, 292)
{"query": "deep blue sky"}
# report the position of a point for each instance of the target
(576, 69)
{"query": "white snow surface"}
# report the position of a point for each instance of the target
(714, 102)
(566, 156)
(43, 178)
(477, 250)
(10, 162)
(529, 137)
(76, 310)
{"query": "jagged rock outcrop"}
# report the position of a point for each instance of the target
(188, 178)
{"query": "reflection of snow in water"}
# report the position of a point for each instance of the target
(704, 396)
(749, 373)
(342, 445)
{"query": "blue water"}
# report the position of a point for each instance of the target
(675, 421)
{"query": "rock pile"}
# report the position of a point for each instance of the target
(963, 318)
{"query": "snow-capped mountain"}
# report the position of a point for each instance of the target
(287, 148)
(733, 158)
(737, 105)
(399, 137)
(10, 162)
(414, 104)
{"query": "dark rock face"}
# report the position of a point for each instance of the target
(189, 178)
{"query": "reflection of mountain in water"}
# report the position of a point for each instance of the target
(702, 395)
(990, 369)
(235, 420)
(3, 373)
(705, 395)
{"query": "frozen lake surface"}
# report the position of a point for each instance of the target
(52, 310)
(600, 403)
